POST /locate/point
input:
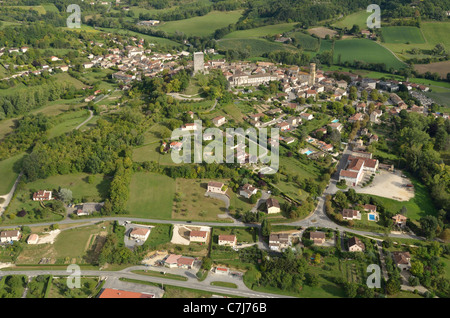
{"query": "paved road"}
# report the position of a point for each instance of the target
(126, 273)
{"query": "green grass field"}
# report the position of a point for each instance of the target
(7, 173)
(307, 42)
(437, 32)
(359, 18)
(255, 46)
(68, 122)
(402, 34)
(267, 30)
(149, 38)
(40, 9)
(365, 50)
(151, 196)
(202, 25)
(73, 243)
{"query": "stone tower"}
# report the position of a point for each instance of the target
(199, 63)
(312, 74)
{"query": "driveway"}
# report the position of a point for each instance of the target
(264, 196)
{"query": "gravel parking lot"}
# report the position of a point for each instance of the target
(389, 185)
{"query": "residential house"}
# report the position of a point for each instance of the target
(227, 240)
(185, 262)
(318, 237)
(355, 245)
(248, 190)
(350, 214)
(356, 117)
(9, 236)
(402, 260)
(189, 126)
(375, 115)
(216, 187)
(42, 195)
(176, 145)
(284, 126)
(337, 126)
(273, 206)
(89, 208)
(279, 242)
(198, 236)
(140, 233)
(306, 116)
(171, 261)
(219, 121)
(399, 220)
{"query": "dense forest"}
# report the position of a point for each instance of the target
(419, 141)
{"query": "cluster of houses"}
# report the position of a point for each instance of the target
(54, 63)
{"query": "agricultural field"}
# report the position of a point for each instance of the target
(202, 25)
(442, 68)
(322, 32)
(402, 34)
(65, 77)
(7, 173)
(359, 18)
(365, 50)
(255, 46)
(151, 196)
(307, 42)
(436, 32)
(267, 30)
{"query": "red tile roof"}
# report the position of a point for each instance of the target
(116, 293)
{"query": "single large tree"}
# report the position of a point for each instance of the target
(65, 195)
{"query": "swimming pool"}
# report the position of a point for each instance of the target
(335, 121)
(308, 152)
(372, 217)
